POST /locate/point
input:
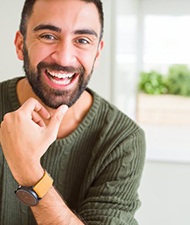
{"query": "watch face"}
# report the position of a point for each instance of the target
(27, 196)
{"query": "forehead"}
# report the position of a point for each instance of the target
(66, 14)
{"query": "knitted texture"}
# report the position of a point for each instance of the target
(96, 169)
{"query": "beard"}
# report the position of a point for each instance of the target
(54, 98)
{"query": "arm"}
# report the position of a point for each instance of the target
(23, 148)
(111, 190)
(53, 210)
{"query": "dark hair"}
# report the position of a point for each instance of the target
(28, 9)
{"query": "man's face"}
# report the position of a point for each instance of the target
(61, 49)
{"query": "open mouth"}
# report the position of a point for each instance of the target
(59, 78)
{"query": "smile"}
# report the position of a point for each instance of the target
(60, 78)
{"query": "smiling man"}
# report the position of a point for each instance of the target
(69, 156)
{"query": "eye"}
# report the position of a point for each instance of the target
(82, 41)
(48, 37)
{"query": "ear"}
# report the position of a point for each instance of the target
(19, 40)
(100, 47)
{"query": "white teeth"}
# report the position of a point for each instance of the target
(60, 75)
(61, 82)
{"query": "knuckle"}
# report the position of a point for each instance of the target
(7, 117)
(31, 100)
(19, 113)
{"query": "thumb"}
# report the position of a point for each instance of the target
(56, 119)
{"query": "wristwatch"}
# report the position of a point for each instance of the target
(30, 196)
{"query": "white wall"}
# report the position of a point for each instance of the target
(165, 194)
(9, 21)
(165, 186)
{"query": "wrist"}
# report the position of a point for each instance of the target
(30, 196)
(30, 176)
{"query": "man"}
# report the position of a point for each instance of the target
(69, 156)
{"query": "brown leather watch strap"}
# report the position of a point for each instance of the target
(45, 183)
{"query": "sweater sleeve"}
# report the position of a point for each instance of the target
(112, 198)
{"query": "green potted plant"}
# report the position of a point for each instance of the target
(164, 99)
(178, 80)
(153, 83)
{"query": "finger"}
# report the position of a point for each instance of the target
(32, 105)
(38, 119)
(56, 119)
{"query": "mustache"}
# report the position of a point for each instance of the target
(57, 67)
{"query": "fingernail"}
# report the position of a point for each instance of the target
(63, 108)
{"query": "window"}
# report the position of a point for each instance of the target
(154, 38)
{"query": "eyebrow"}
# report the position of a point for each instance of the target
(57, 29)
(86, 31)
(47, 27)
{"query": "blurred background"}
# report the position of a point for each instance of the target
(145, 71)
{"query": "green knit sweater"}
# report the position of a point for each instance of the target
(97, 168)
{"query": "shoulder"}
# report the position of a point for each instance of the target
(5, 85)
(8, 96)
(119, 135)
(113, 119)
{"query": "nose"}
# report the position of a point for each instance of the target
(64, 53)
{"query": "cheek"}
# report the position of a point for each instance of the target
(37, 55)
(86, 60)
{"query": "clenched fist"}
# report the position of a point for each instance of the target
(25, 137)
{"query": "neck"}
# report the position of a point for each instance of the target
(74, 114)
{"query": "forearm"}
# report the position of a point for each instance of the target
(53, 210)
(25, 138)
